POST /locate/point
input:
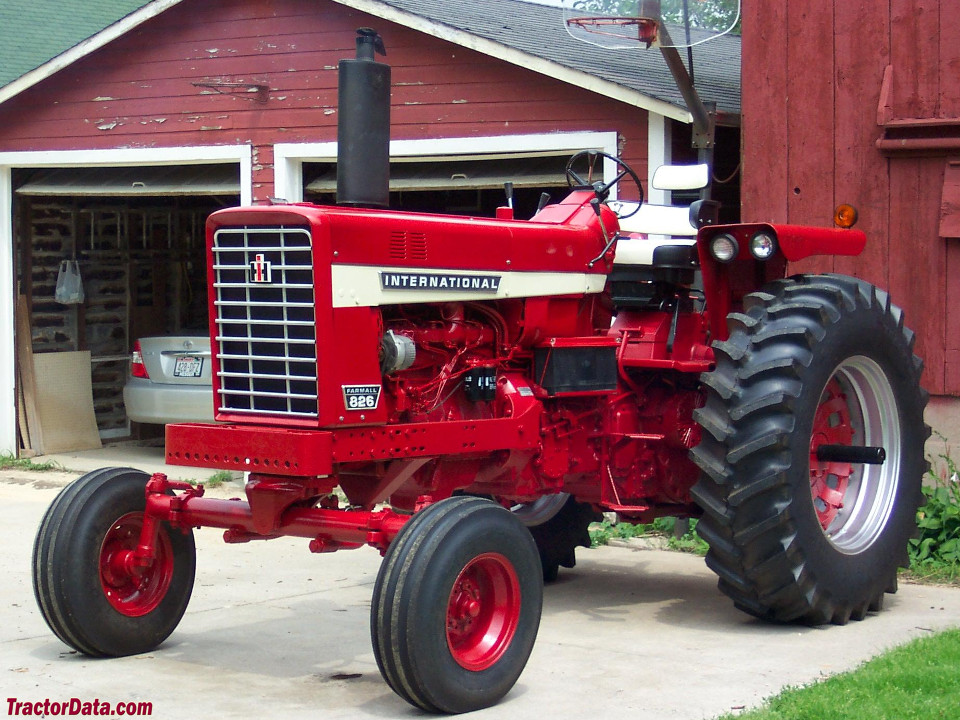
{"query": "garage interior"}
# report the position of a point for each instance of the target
(137, 234)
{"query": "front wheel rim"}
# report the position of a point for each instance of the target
(483, 612)
(854, 502)
(139, 591)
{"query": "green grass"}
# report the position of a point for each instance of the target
(601, 533)
(216, 480)
(917, 681)
(932, 574)
(12, 462)
(219, 478)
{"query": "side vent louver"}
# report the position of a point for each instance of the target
(408, 246)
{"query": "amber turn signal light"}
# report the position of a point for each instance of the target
(845, 216)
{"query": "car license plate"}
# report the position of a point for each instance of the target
(188, 366)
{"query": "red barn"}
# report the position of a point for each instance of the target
(858, 102)
(123, 125)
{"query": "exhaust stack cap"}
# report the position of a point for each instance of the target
(369, 42)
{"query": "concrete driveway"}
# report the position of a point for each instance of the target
(273, 631)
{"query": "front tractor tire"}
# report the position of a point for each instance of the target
(86, 594)
(456, 606)
(797, 533)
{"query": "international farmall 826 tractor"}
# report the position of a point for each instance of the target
(479, 390)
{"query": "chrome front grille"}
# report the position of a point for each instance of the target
(266, 336)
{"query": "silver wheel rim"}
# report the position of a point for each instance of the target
(870, 493)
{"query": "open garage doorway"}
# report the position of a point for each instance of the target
(137, 234)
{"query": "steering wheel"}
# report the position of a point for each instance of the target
(598, 186)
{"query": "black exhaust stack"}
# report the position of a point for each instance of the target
(363, 127)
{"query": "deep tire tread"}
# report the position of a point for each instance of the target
(747, 485)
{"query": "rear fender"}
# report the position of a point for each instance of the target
(725, 284)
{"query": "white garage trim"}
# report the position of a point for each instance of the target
(132, 157)
(659, 140)
(288, 158)
(8, 406)
(241, 154)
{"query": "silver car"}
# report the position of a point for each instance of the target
(169, 380)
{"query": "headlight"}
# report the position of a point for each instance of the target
(724, 248)
(763, 245)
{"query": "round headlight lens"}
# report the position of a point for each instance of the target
(724, 248)
(763, 245)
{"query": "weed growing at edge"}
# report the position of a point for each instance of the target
(9, 461)
(935, 553)
(601, 533)
(216, 480)
(219, 478)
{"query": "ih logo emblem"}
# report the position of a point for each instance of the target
(261, 270)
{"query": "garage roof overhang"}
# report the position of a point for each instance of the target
(84, 47)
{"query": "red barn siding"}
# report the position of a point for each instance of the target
(812, 116)
(138, 91)
(860, 172)
(763, 186)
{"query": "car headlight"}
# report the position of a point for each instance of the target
(724, 248)
(763, 245)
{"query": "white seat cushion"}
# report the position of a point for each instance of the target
(659, 220)
(636, 250)
(668, 224)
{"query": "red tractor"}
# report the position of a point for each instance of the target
(479, 390)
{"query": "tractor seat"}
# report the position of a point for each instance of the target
(664, 236)
(656, 252)
(657, 235)
(657, 248)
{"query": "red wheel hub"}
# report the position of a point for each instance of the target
(133, 590)
(829, 479)
(483, 611)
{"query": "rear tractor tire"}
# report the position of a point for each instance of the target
(559, 525)
(85, 593)
(456, 606)
(796, 532)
